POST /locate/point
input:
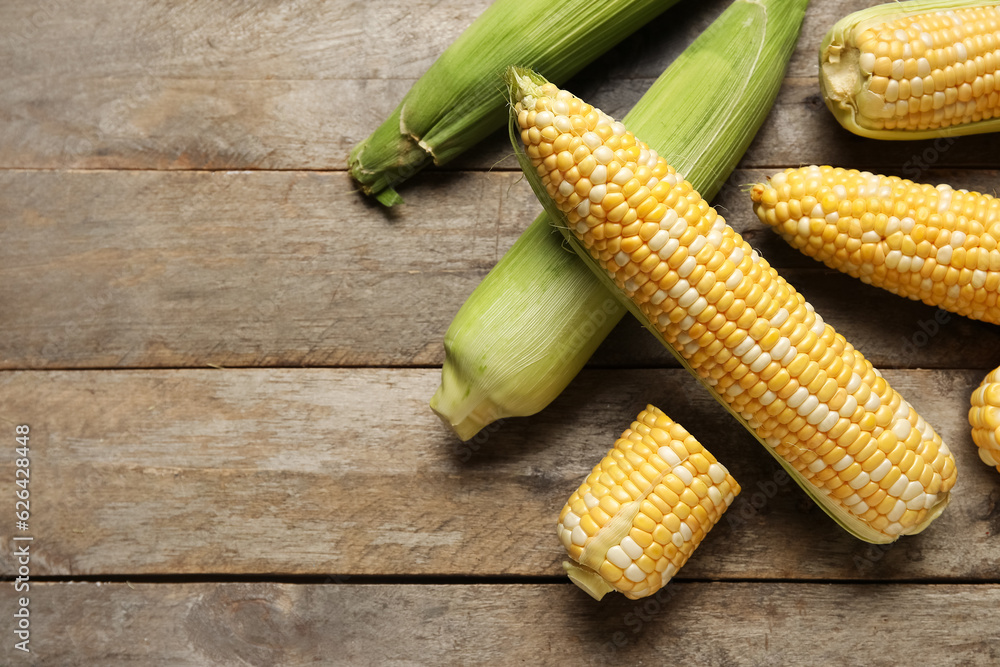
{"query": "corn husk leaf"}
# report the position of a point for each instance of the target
(459, 100)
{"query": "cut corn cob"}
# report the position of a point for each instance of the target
(455, 103)
(912, 70)
(533, 322)
(927, 243)
(850, 440)
(643, 509)
(984, 417)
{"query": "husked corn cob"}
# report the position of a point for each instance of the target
(984, 417)
(850, 440)
(910, 70)
(643, 509)
(927, 243)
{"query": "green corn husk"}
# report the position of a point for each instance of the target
(538, 316)
(845, 519)
(845, 86)
(459, 100)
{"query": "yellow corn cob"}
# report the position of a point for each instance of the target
(910, 70)
(817, 404)
(984, 416)
(927, 243)
(644, 509)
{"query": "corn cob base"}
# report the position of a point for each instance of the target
(913, 70)
(984, 417)
(932, 244)
(644, 509)
(850, 440)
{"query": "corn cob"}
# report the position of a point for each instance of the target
(849, 439)
(913, 70)
(534, 321)
(984, 417)
(455, 104)
(927, 243)
(643, 509)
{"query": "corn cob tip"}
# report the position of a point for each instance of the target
(840, 81)
(471, 421)
(644, 509)
(523, 84)
(984, 417)
(387, 158)
(461, 405)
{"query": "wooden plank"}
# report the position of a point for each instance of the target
(113, 84)
(346, 471)
(339, 39)
(215, 86)
(130, 270)
(170, 269)
(696, 623)
(800, 130)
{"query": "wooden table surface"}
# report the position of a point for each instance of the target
(224, 355)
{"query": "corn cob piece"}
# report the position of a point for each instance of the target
(455, 103)
(643, 509)
(984, 417)
(535, 320)
(924, 242)
(913, 70)
(849, 439)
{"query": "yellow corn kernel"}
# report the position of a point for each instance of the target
(984, 417)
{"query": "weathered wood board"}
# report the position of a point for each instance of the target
(346, 471)
(295, 85)
(225, 355)
(698, 623)
(173, 269)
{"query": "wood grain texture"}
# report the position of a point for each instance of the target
(291, 625)
(212, 85)
(346, 471)
(172, 197)
(171, 269)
